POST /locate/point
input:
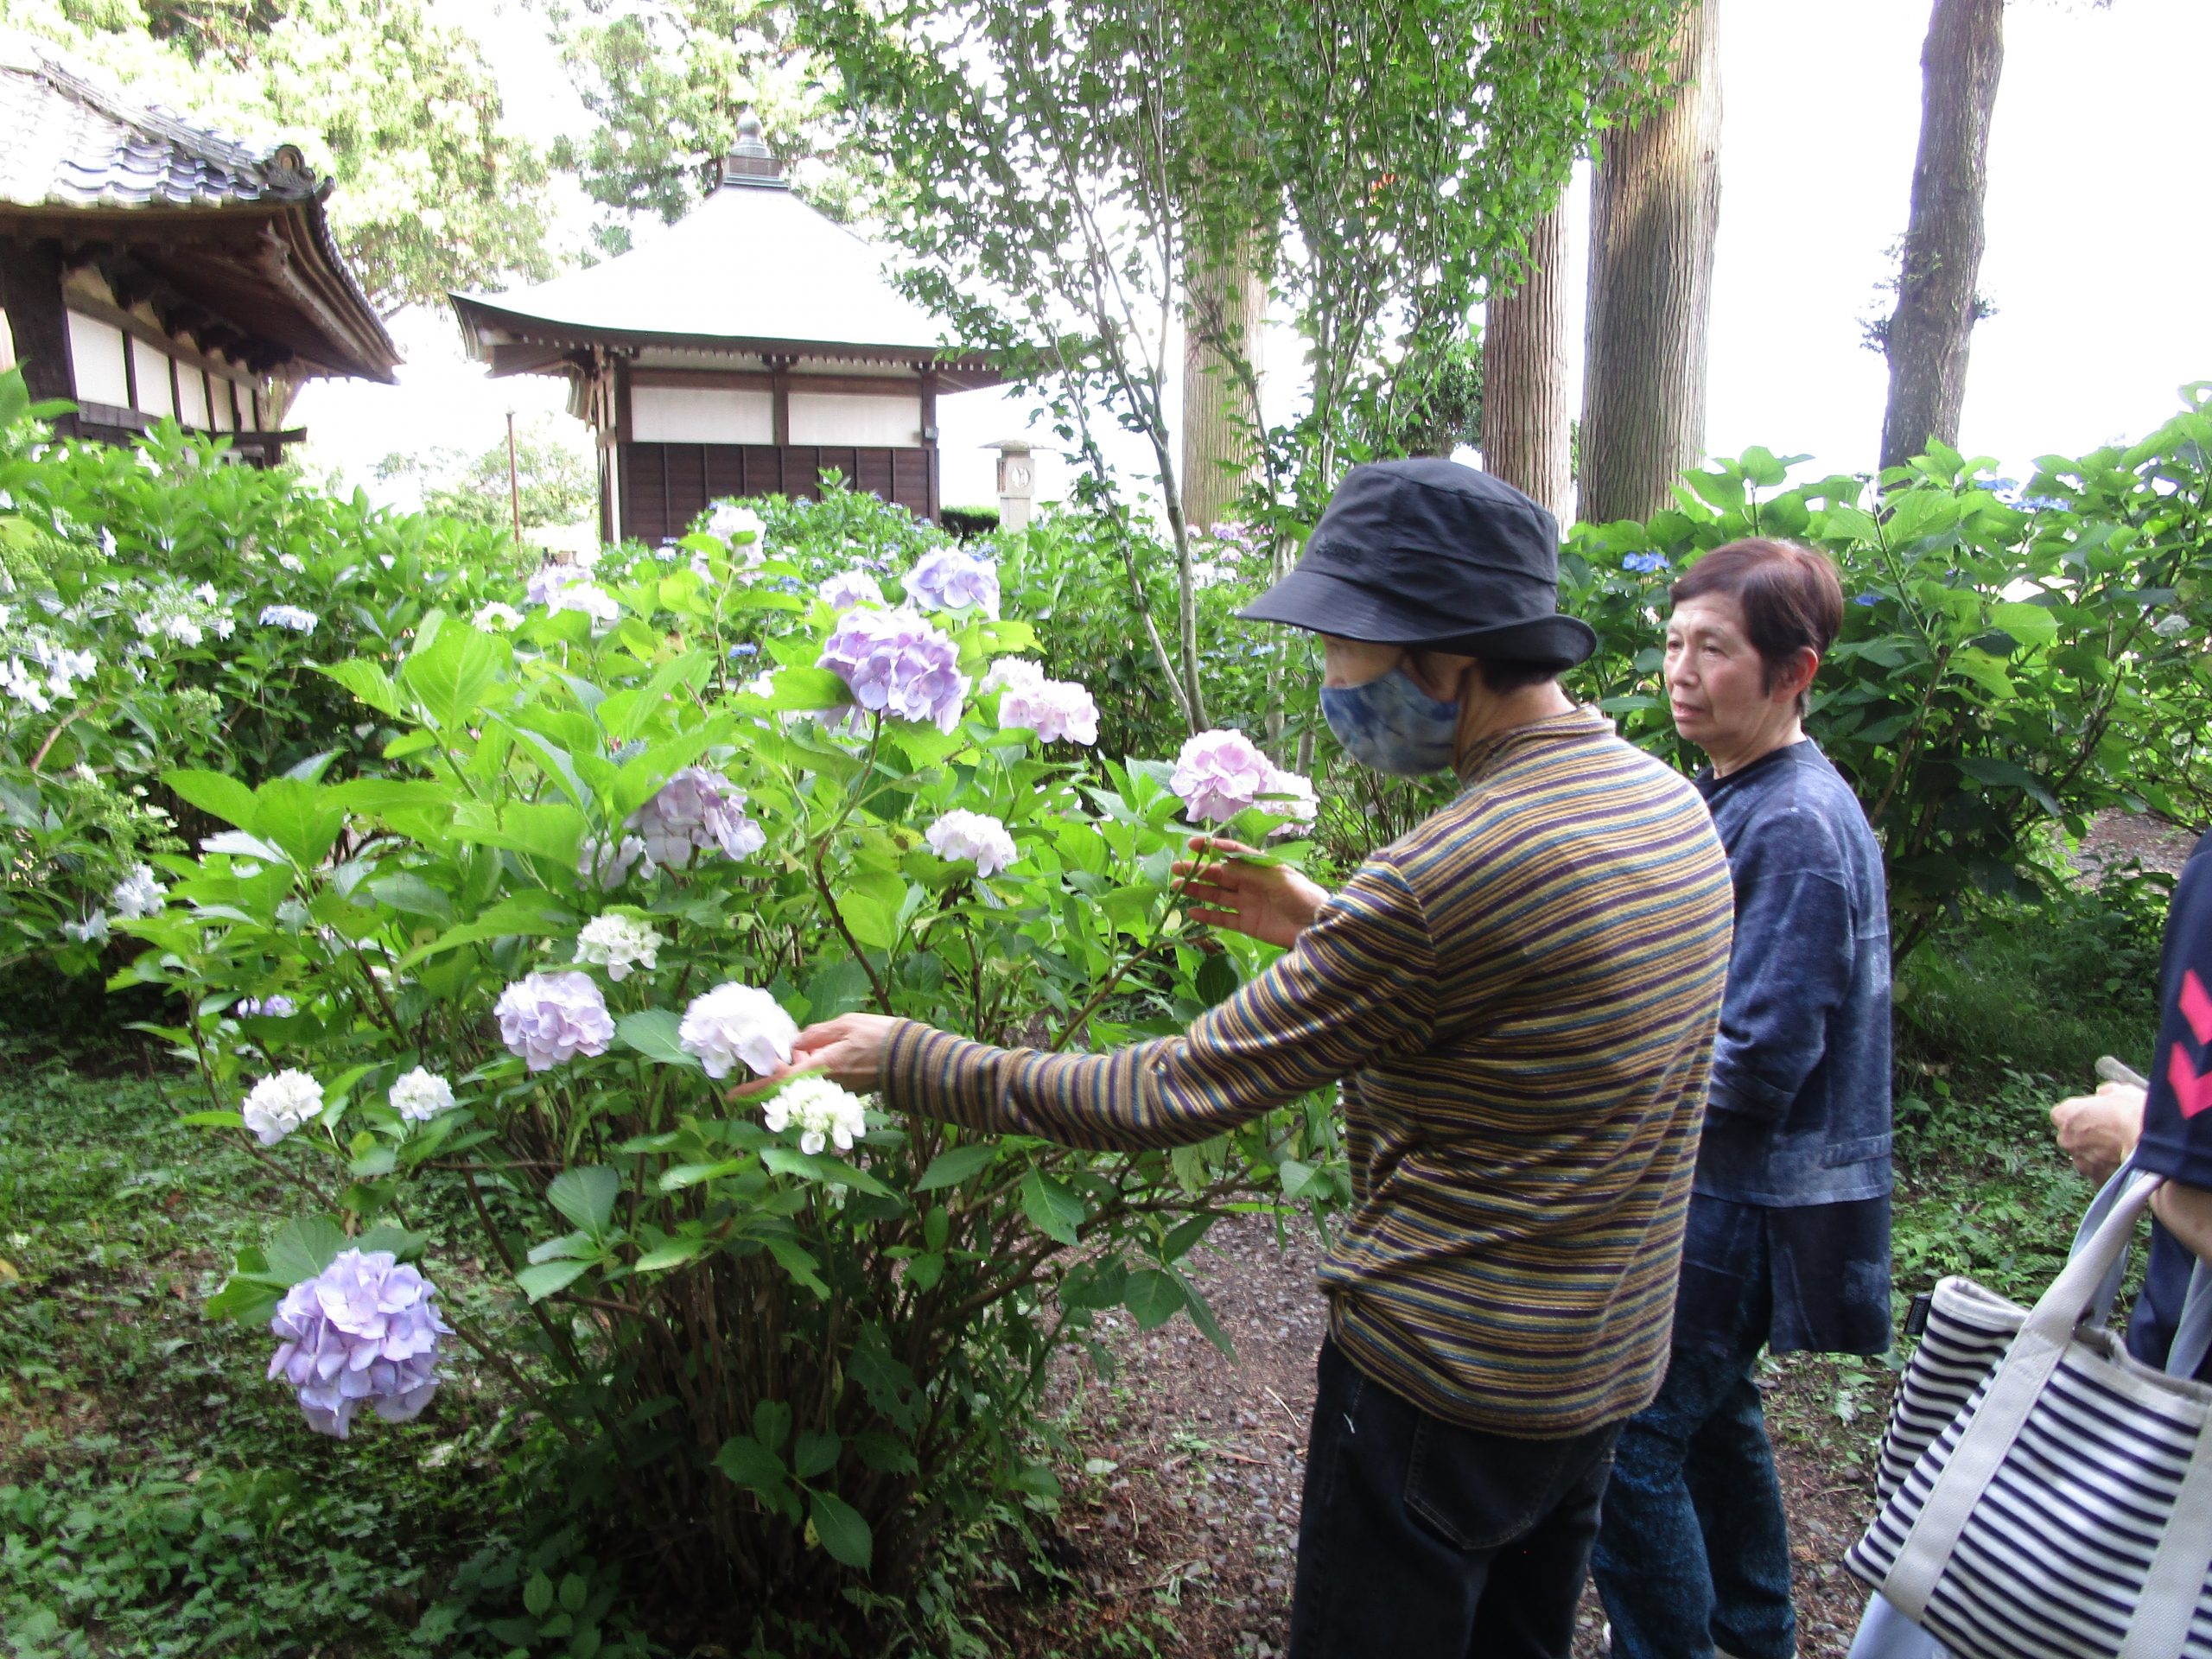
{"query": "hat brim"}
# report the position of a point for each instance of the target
(1321, 603)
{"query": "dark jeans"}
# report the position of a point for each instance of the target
(1694, 1554)
(1421, 1539)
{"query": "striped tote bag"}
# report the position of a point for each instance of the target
(2064, 1508)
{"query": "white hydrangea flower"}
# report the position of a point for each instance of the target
(288, 616)
(292, 562)
(420, 1095)
(185, 630)
(549, 579)
(205, 594)
(733, 1023)
(729, 521)
(22, 686)
(846, 588)
(498, 617)
(592, 600)
(138, 894)
(961, 834)
(618, 943)
(1300, 805)
(280, 1104)
(1012, 674)
(819, 1111)
(92, 931)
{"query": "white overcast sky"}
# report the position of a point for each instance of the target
(2097, 244)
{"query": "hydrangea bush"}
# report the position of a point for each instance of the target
(159, 608)
(605, 872)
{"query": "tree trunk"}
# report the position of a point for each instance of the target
(1226, 315)
(1524, 374)
(1926, 339)
(1654, 206)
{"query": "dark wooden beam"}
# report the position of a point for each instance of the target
(30, 292)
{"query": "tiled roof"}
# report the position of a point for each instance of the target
(68, 141)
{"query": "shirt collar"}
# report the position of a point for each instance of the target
(1576, 725)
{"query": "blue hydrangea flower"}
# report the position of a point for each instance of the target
(1644, 563)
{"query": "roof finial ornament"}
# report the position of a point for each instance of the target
(750, 162)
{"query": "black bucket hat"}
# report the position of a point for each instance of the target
(1432, 553)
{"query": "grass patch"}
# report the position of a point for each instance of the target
(158, 1496)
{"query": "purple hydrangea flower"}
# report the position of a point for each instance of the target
(609, 861)
(548, 580)
(953, 578)
(847, 588)
(275, 1006)
(364, 1328)
(549, 1019)
(695, 810)
(1219, 773)
(896, 664)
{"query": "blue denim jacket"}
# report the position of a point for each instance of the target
(1799, 1112)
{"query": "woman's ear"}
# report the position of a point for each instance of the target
(1797, 675)
(1442, 674)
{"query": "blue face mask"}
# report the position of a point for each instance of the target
(1392, 725)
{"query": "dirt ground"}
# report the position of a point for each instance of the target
(1189, 1537)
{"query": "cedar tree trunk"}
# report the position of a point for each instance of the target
(1221, 336)
(1926, 339)
(1654, 206)
(1524, 374)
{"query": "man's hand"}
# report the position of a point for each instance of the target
(1270, 902)
(848, 1050)
(2099, 1131)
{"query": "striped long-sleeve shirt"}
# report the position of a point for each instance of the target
(1520, 998)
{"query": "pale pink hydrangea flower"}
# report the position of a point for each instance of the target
(549, 1019)
(365, 1328)
(1051, 708)
(1219, 773)
(962, 835)
(734, 1024)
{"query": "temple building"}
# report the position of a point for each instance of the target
(749, 349)
(151, 266)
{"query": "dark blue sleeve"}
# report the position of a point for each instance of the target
(2178, 1110)
(1791, 965)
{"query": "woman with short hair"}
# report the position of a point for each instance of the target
(1787, 1245)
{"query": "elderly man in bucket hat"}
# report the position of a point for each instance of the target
(1519, 1000)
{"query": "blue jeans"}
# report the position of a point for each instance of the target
(1420, 1538)
(1694, 1554)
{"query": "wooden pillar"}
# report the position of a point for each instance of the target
(30, 292)
(928, 448)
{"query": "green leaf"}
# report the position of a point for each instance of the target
(304, 1248)
(679, 1176)
(451, 675)
(300, 817)
(1154, 1296)
(955, 1164)
(884, 1454)
(819, 1167)
(772, 1423)
(368, 681)
(653, 1032)
(2030, 624)
(1054, 1211)
(212, 1119)
(586, 1196)
(750, 1463)
(674, 1254)
(843, 1534)
(541, 1281)
(804, 688)
(547, 829)
(837, 989)
(1217, 979)
(815, 1453)
(872, 922)
(1202, 1315)
(214, 794)
(798, 1262)
(246, 1300)
(537, 1595)
(1295, 1176)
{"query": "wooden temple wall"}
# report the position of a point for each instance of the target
(665, 486)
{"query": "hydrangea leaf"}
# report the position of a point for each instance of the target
(653, 1032)
(1154, 1297)
(214, 793)
(815, 1453)
(368, 681)
(541, 1281)
(303, 1248)
(1202, 1315)
(586, 1196)
(884, 1454)
(955, 1164)
(819, 1167)
(298, 817)
(841, 1529)
(750, 1463)
(799, 1262)
(451, 674)
(1051, 1208)
(772, 1423)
